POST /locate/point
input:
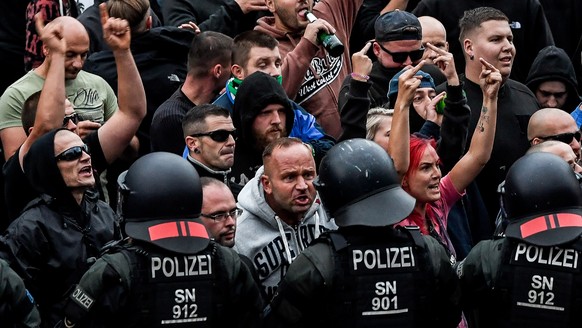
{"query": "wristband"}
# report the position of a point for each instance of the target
(361, 76)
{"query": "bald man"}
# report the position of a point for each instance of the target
(433, 32)
(557, 148)
(92, 98)
(554, 124)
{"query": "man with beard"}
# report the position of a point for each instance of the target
(210, 140)
(262, 113)
(282, 213)
(208, 71)
(219, 211)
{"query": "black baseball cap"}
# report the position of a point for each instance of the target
(397, 25)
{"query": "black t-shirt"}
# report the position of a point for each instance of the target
(19, 191)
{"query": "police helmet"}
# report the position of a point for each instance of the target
(160, 199)
(542, 200)
(358, 185)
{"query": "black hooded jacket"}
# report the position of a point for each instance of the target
(553, 64)
(257, 91)
(51, 244)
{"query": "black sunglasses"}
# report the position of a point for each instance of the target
(564, 137)
(218, 135)
(73, 153)
(73, 118)
(400, 57)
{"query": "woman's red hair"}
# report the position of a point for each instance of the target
(418, 146)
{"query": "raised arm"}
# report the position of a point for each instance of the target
(51, 104)
(117, 132)
(399, 142)
(481, 146)
(354, 112)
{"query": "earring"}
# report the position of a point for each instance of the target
(196, 151)
(471, 57)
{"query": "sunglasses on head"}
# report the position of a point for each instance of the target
(564, 137)
(73, 153)
(400, 57)
(72, 117)
(217, 135)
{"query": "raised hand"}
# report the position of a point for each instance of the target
(361, 63)
(408, 82)
(116, 31)
(489, 79)
(51, 35)
(251, 5)
(446, 63)
(431, 112)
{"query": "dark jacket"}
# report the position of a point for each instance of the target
(51, 244)
(205, 171)
(319, 290)
(553, 64)
(160, 55)
(529, 26)
(17, 307)
(129, 292)
(91, 19)
(257, 91)
(224, 16)
(166, 128)
(305, 127)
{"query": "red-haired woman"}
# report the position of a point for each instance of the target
(417, 162)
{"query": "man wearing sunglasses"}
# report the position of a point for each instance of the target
(109, 142)
(554, 124)
(397, 44)
(210, 139)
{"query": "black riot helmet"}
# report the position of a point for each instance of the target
(358, 185)
(542, 200)
(160, 199)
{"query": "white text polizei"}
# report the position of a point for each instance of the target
(566, 258)
(182, 266)
(383, 258)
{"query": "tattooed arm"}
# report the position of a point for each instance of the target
(479, 152)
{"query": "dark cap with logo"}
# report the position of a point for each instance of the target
(397, 25)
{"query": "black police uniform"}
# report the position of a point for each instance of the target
(140, 286)
(369, 277)
(17, 308)
(367, 273)
(168, 273)
(533, 276)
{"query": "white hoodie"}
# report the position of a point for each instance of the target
(259, 234)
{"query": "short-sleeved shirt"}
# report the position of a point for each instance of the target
(90, 95)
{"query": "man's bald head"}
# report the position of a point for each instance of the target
(433, 32)
(554, 124)
(77, 40)
(550, 121)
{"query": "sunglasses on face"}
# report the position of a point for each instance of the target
(73, 153)
(400, 57)
(72, 117)
(564, 137)
(218, 135)
(218, 217)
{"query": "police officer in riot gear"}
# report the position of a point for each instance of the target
(367, 273)
(167, 273)
(531, 277)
